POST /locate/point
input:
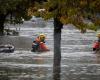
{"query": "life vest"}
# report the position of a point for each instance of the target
(43, 47)
(37, 40)
(96, 45)
(35, 43)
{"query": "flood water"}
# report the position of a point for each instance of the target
(79, 62)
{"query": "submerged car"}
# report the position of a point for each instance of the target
(7, 48)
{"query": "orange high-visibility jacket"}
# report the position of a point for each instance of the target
(37, 40)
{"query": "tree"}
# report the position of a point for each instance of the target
(14, 10)
(69, 11)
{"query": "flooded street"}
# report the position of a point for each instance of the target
(79, 62)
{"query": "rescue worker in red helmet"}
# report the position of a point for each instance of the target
(39, 43)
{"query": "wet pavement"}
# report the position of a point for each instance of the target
(79, 62)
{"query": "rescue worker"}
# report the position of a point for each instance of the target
(96, 45)
(36, 43)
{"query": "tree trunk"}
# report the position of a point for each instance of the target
(57, 49)
(2, 21)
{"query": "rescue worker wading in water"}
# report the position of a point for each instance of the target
(96, 45)
(39, 43)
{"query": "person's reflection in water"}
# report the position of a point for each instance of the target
(98, 57)
(40, 71)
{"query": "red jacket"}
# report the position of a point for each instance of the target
(96, 45)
